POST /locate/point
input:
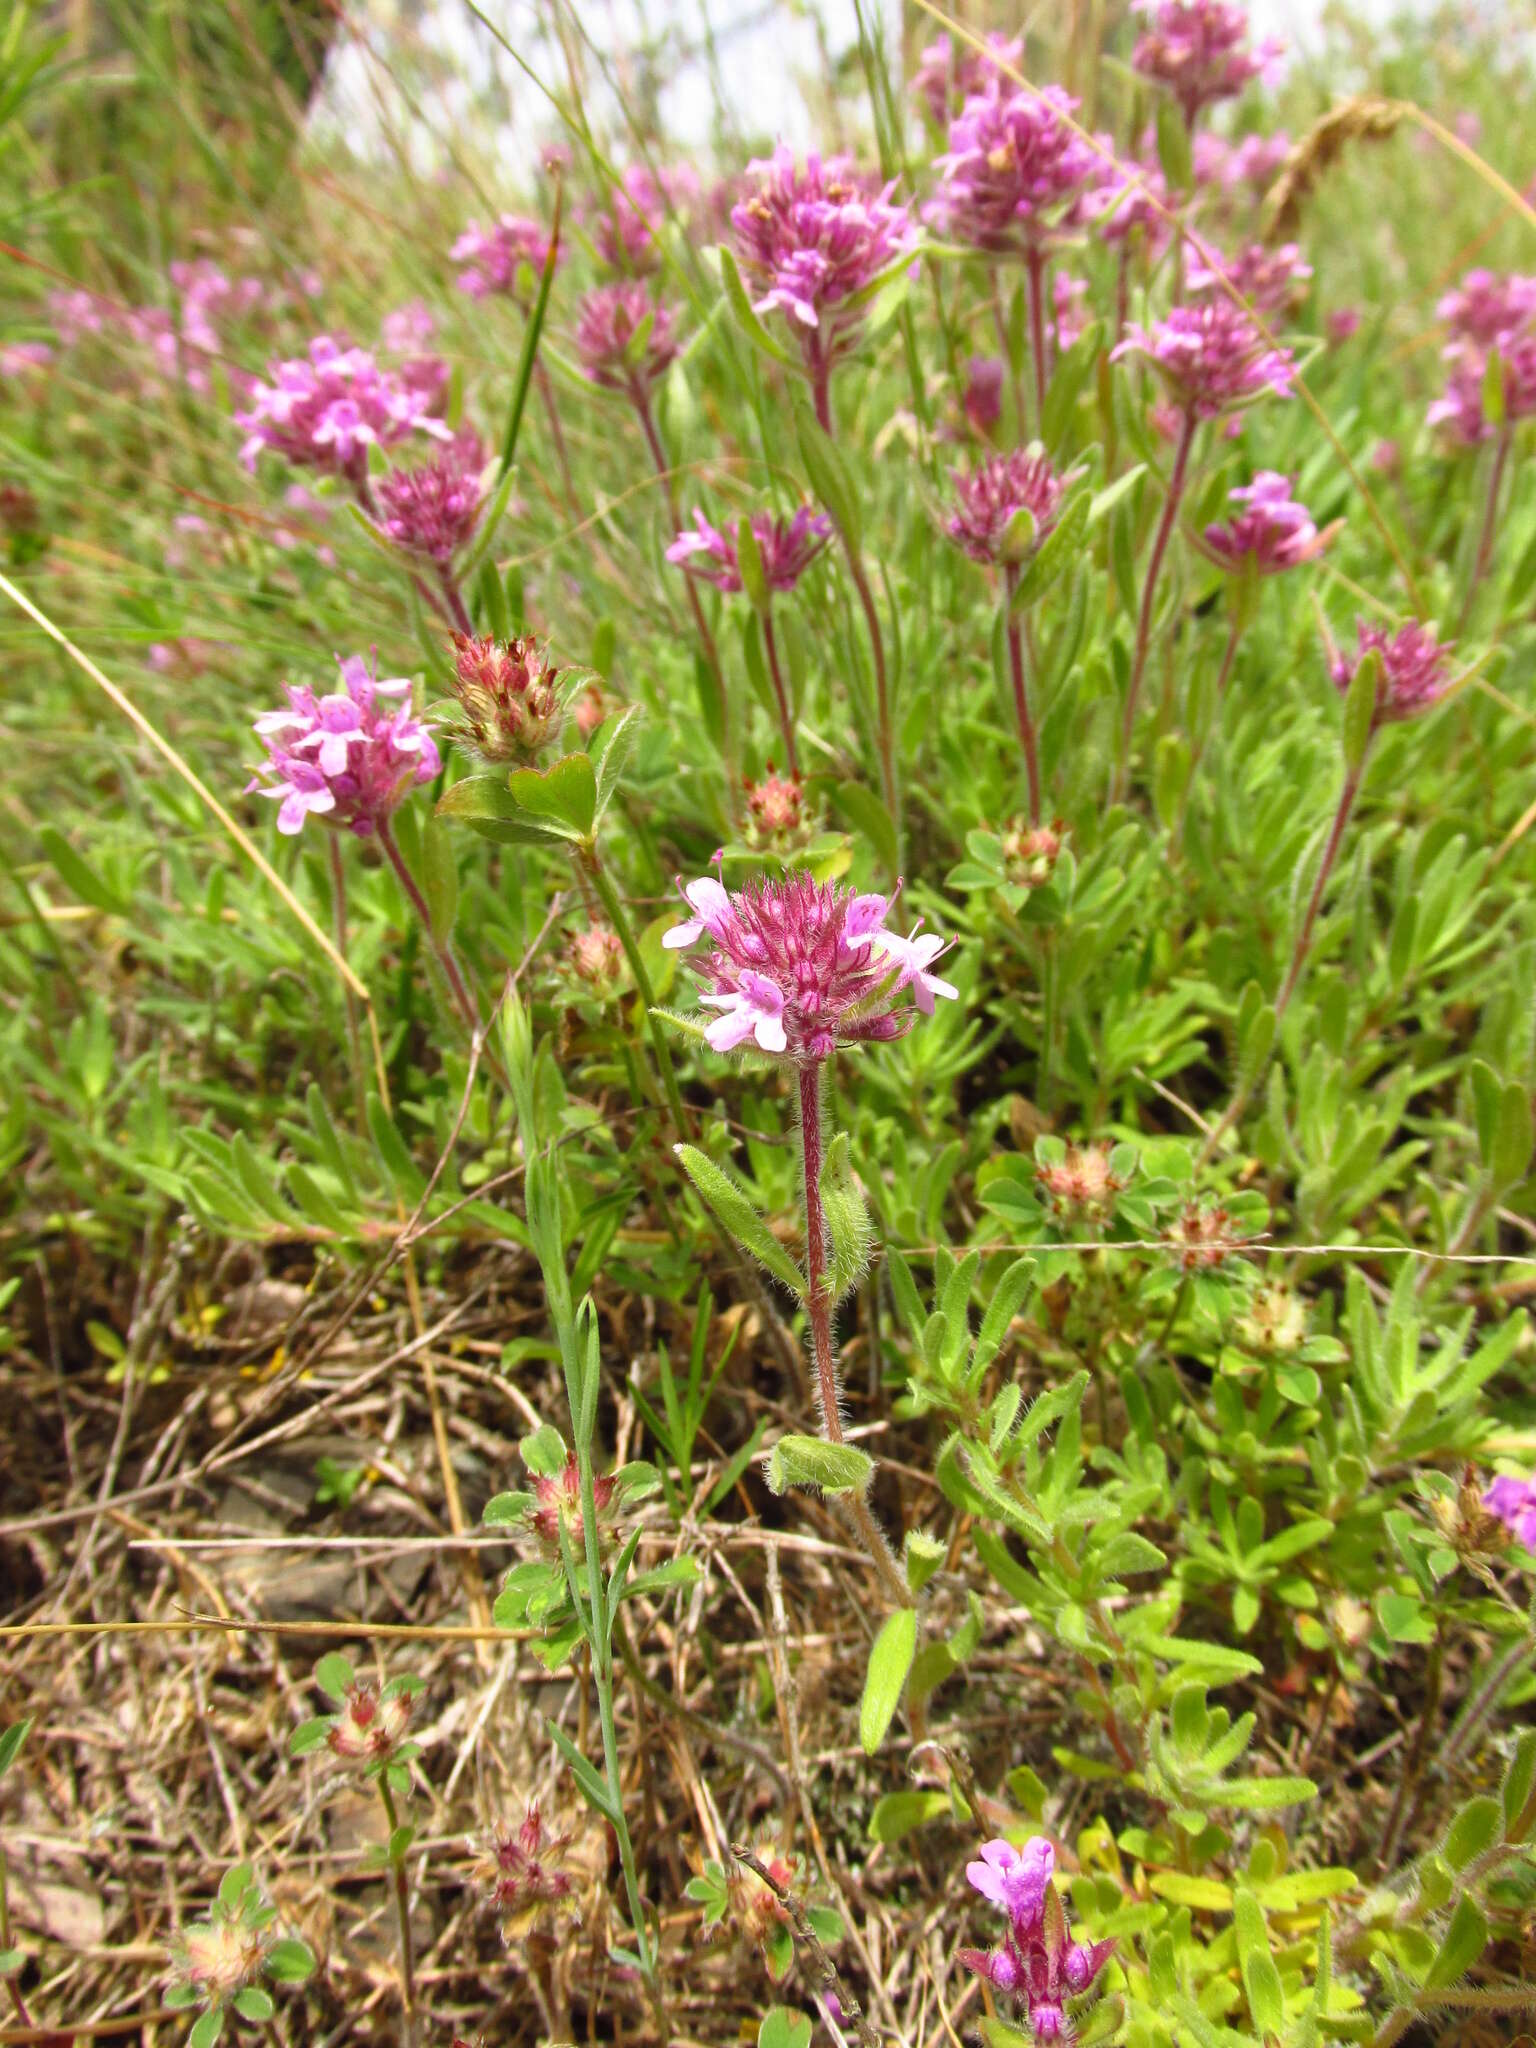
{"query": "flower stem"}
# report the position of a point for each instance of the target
(354, 1028)
(883, 739)
(820, 373)
(440, 947)
(1176, 481)
(618, 917)
(1490, 521)
(1015, 635)
(786, 721)
(818, 1304)
(457, 608)
(402, 1912)
(1223, 678)
(1034, 265)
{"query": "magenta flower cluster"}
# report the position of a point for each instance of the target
(811, 237)
(787, 547)
(327, 409)
(1270, 280)
(1015, 167)
(1490, 314)
(1514, 1502)
(1211, 356)
(432, 509)
(1272, 532)
(989, 500)
(1035, 1965)
(1199, 50)
(350, 757)
(495, 257)
(625, 233)
(1127, 197)
(946, 78)
(802, 967)
(625, 338)
(1415, 668)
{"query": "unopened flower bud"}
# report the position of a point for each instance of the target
(1082, 1183)
(558, 1502)
(596, 959)
(1031, 852)
(519, 1872)
(370, 1726)
(509, 693)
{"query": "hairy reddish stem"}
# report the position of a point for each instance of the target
(786, 720)
(1303, 944)
(440, 947)
(1490, 520)
(1034, 264)
(1027, 736)
(1176, 481)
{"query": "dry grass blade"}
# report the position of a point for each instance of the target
(1361, 119)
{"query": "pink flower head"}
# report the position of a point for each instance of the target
(1274, 532)
(351, 757)
(986, 522)
(1343, 324)
(812, 238)
(519, 1873)
(635, 210)
(1013, 168)
(1128, 197)
(557, 1505)
(983, 399)
(1271, 280)
(914, 955)
(1198, 49)
(1067, 296)
(1415, 669)
(1015, 1881)
(1254, 161)
(787, 547)
(370, 1726)
(1488, 306)
(625, 338)
(945, 79)
(799, 966)
(1514, 1502)
(433, 509)
(327, 409)
(1462, 407)
(76, 313)
(497, 258)
(1211, 356)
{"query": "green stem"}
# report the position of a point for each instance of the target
(1014, 631)
(1144, 617)
(618, 917)
(440, 947)
(402, 1911)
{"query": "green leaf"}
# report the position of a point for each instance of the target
(13, 1960)
(335, 1676)
(1212, 1657)
(811, 1461)
(847, 1218)
(1465, 1940)
(594, 1789)
(77, 875)
(1473, 1832)
(783, 2027)
(308, 1736)
(207, 2029)
(563, 796)
(531, 336)
(611, 749)
(1263, 1795)
(898, 1813)
(254, 2004)
(734, 1207)
(865, 811)
(1360, 711)
(1261, 1980)
(289, 1961)
(890, 1659)
(746, 315)
(1201, 1894)
(233, 1886)
(830, 481)
(10, 1742)
(485, 803)
(924, 1555)
(1173, 147)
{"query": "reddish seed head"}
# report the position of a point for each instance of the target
(219, 1956)
(989, 500)
(608, 335)
(776, 809)
(1415, 669)
(369, 1728)
(596, 958)
(1202, 1236)
(1081, 1183)
(519, 1872)
(509, 694)
(1031, 852)
(756, 1909)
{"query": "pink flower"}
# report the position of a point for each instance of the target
(351, 757)
(370, 1727)
(1197, 48)
(1014, 167)
(625, 339)
(1255, 160)
(501, 259)
(24, 358)
(1269, 279)
(1067, 295)
(325, 410)
(1211, 356)
(519, 1873)
(636, 209)
(433, 509)
(1129, 197)
(1414, 669)
(989, 500)
(1343, 324)
(1015, 1881)
(799, 967)
(812, 238)
(1514, 1502)
(787, 547)
(944, 79)
(1487, 307)
(76, 313)
(1274, 533)
(914, 955)
(983, 399)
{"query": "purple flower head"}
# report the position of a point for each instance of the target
(1254, 161)
(1016, 1881)
(327, 409)
(1014, 166)
(495, 257)
(1415, 669)
(1462, 406)
(944, 79)
(350, 757)
(983, 399)
(635, 211)
(787, 547)
(1211, 356)
(1198, 49)
(812, 237)
(1270, 279)
(1488, 307)
(1514, 1502)
(802, 967)
(625, 338)
(1272, 534)
(989, 500)
(433, 509)
(1129, 197)
(1002, 1967)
